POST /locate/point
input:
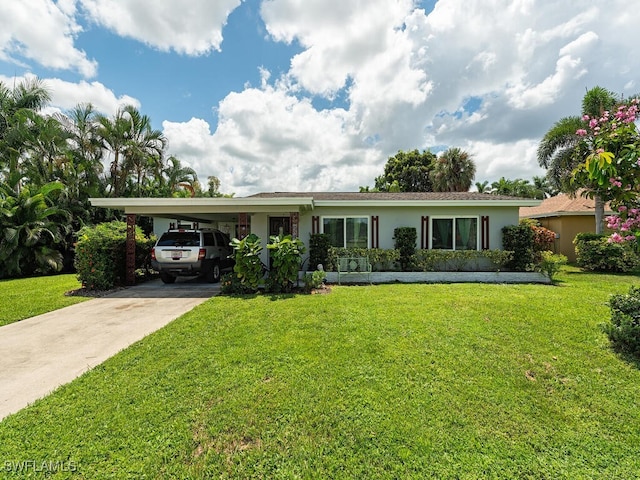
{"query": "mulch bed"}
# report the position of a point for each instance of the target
(85, 292)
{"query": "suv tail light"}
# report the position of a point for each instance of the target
(153, 254)
(202, 253)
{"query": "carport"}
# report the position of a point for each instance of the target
(205, 210)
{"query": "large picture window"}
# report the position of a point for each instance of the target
(455, 233)
(347, 231)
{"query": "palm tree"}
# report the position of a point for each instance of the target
(86, 147)
(28, 95)
(45, 148)
(177, 178)
(453, 171)
(543, 188)
(483, 187)
(31, 229)
(144, 149)
(558, 150)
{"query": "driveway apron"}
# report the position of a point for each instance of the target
(39, 354)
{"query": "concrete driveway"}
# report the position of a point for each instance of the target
(39, 354)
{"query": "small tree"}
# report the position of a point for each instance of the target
(407, 172)
(611, 142)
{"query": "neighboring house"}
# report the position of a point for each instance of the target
(452, 221)
(567, 217)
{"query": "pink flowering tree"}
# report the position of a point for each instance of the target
(610, 146)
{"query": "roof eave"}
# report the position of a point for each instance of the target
(427, 203)
(150, 206)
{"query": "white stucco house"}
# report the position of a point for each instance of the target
(446, 220)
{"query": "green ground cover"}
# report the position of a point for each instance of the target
(390, 381)
(26, 297)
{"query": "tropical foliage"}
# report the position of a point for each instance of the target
(453, 171)
(539, 189)
(31, 228)
(407, 172)
(285, 256)
(83, 153)
(611, 165)
(563, 149)
(101, 254)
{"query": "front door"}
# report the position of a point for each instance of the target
(280, 226)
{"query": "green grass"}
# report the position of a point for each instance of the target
(26, 297)
(394, 381)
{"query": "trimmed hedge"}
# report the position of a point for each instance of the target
(319, 245)
(381, 260)
(594, 252)
(461, 260)
(101, 254)
(519, 239)
(427, 260)
(405, 242)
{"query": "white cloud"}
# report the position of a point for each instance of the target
(269, 140)
(43, 31)
(192, 28)
(407, 77)
(66, 95)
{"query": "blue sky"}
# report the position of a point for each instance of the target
(273, 95)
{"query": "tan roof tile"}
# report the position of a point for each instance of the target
(562, 204)
(427, 196)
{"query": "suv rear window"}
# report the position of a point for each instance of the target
(179, 239)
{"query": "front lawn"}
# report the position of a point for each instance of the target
(390, 381)
(25, 297)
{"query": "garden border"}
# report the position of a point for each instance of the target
(447, 277)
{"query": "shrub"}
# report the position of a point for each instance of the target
(381, 260)
(595, 253)
(519, 239)
(230, 284)
(405, 243)
(286, 253)
(551, 263)
(543, 238)
(624, 329)
(314, 280)
(459, 260)
(319, 245)
(249, 269)
(101, 254)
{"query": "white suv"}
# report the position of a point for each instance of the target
(192, 252)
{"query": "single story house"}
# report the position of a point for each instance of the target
(446, 220)
(566, 216)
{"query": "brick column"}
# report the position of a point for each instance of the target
(294, 224)
(243, 225)
(131, 249)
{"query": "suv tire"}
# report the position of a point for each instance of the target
(213, 273)
(166, 278)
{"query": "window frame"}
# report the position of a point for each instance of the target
(454, 219)
(344, 225)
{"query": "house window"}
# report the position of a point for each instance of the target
(347, 231)
(454, 233)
